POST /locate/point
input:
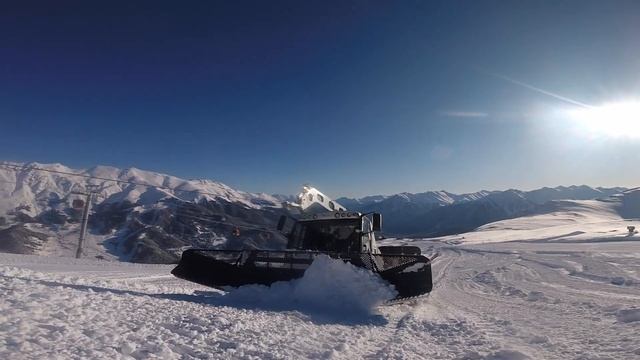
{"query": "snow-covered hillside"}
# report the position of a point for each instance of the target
(143, 216)
(562, 221)
(36, 191)
(513, 300)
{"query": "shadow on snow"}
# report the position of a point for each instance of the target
(320, 315)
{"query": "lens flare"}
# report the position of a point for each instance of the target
(617, 120)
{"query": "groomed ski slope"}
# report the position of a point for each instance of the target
(550, 297)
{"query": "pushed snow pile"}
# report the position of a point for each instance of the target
(328, 285)
(336, 283)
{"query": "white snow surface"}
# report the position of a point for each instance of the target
(570, 221)
(513, 300)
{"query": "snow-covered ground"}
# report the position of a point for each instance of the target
(514, 300)
(568, 221)
(560, 285)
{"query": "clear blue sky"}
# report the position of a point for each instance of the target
(356, 97)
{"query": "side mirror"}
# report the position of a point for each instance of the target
(281, 222)
(377, 222)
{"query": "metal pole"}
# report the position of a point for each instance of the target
(85, 220)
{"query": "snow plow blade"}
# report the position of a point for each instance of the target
(410, 274)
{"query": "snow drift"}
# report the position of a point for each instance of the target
(329, 286)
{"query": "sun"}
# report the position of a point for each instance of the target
(618, 120)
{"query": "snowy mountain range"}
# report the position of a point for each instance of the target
(437, 213)
(145, 216)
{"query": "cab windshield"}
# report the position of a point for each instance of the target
(339, 235)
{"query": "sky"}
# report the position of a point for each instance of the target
(354, 97)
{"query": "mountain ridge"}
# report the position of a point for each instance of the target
(559, 192)
(145, 216)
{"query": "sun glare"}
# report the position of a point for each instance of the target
(618, 120)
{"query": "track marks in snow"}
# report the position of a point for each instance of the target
(534, 302)
(503, 301)
(66, 320)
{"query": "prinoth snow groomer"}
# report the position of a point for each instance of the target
(319, 226)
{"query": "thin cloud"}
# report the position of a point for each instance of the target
(464, 114)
